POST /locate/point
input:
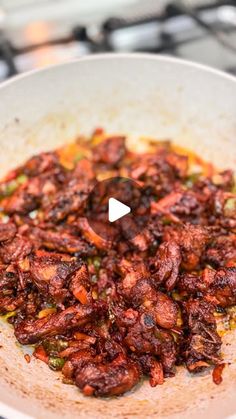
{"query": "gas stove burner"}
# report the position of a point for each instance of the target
(176, 29)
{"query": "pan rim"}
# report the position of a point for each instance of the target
(121, 56)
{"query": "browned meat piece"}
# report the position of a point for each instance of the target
(11, 303)
(193, 283)
(40, 164)
(31, 194)
(150, 366)
(80, 285)
(190, 283)
(111, 349)
(140, 337)
(192, 241)
(179, 164)
(203, 343)
(28, 331)
(8, 277)
(222, 251)
(84, 171)
(168, 354)
(21, 202)
(79, 359)
(223, 287)
(143, 337)
(7, 231)
(110, 379)
(132, 273)
(139, 239)
(167, 263)
(16, 249)
(51, 272)
(219, 287)
(162, 308)
(154, 171)
(177, 206)
(139, 290)
(164, 205)
(90, 235)
(70, 200)
(109, 151)
(63, 242)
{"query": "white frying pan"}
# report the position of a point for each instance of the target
(138, 95)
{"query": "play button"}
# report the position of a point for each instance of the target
(117, 210)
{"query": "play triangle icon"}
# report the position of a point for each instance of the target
(117, 210)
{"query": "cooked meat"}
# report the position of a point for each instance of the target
(159, 305)
(51, 272)
(192, 241)
(68, 201)
(62, 242)
(216, 286)
(40, 164)
(109, 379)
(222, 250)
(150, 366)
(7, 231)
(203, 344)
(109, 303)
(167, 263)
(29, 331)
(110, 151)
(15, 249)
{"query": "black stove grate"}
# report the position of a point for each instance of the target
(157, 33)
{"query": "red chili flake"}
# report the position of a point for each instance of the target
(41, 354)
(88, 390)
(217, 373)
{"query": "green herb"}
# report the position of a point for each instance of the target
(56, 363)
(10, 187)
(53, 346)
(96, 262)
(21, 179)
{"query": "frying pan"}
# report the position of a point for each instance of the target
(138, 95)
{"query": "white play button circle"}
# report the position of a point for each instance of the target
(117, 210)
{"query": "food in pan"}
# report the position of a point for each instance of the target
(108, 312)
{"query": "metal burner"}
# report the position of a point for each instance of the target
(34, 33)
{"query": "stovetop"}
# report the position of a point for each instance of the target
(35, 34)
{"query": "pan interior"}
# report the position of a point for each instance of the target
(139, 96)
